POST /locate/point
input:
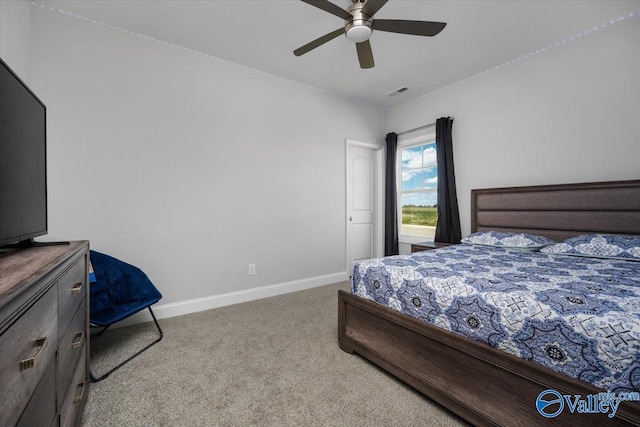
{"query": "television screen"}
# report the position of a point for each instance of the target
(23, 161)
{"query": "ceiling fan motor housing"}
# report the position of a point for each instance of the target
(358, 28)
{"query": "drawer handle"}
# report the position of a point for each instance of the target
(29, 363)
(79, 393)
(77, 340)
(77, 287)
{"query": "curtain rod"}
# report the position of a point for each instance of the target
(420, 128)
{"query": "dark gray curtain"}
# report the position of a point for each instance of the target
(448, 226)
(390, 198)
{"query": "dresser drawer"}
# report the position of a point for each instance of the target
(71, 293)
(76, 395)
(28, 348)
(71, 346)
(41, 410)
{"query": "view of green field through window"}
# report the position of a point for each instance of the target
(418, 191)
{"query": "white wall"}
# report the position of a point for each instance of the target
(568, 114)
(191, 167)
(15, 36)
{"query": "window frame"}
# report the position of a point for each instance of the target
(425, 138)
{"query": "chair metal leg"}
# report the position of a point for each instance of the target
(104, 328)
(103, 376)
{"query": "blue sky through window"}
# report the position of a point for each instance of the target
(419, 172)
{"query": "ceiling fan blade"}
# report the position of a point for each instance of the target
(365, 54)
(318, 42)
(372, 6)
(327, 6)
(417, 28)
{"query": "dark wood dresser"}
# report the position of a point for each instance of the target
(44, 351)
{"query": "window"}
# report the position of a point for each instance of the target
(418, 189)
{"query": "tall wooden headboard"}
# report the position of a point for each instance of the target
(559, 211)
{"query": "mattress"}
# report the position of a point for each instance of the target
(576, 315)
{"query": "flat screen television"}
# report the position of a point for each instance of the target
(23, 161)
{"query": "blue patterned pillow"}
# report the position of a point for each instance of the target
(508, 240)
(615, 246)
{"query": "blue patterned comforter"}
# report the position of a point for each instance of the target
(575, 315)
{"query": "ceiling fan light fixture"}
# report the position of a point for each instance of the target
(359, 24)
(359, 33)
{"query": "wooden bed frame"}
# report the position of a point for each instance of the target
(483, 385)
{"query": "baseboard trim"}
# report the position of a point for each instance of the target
(163, 311)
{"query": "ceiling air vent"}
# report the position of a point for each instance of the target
(397, 91)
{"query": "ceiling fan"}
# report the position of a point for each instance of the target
(359, 24)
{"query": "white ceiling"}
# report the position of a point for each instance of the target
(262, 34)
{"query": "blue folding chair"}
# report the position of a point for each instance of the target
(119, 291)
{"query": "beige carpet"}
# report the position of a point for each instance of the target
(272, 362)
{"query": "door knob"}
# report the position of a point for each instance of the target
(350, 219)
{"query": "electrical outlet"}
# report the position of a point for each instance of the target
(252, 269)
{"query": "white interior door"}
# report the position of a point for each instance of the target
(363, 202)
